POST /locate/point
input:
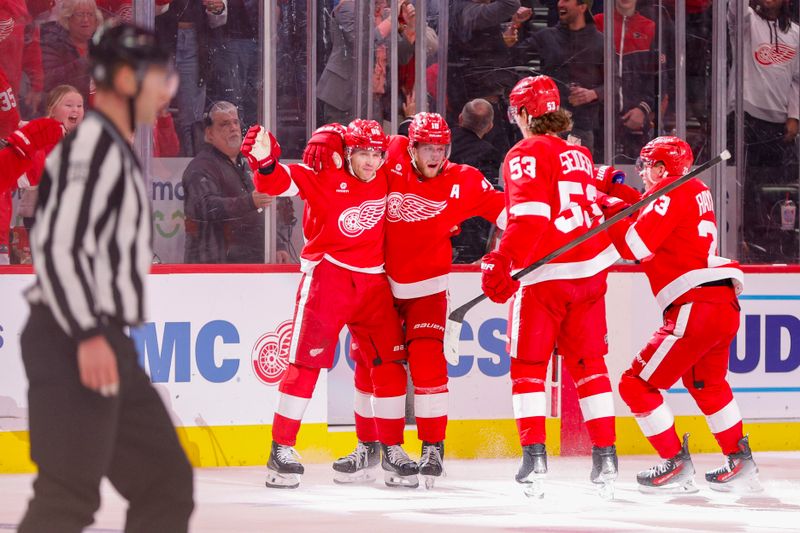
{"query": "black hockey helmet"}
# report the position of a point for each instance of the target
(114, 45)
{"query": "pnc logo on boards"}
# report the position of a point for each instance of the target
(270, 354)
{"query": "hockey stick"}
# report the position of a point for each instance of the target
(452, 332)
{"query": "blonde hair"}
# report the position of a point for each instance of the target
(56, 95)
(67, 8)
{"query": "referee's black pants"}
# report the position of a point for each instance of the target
(77, 437)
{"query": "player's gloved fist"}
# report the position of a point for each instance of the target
(610, 205)
(38, 134)
(496, 281)
(261, 150)
(325, 147)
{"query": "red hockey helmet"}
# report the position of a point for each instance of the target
(537, 95)
(673, 152)
(429, 128)
(365, 135)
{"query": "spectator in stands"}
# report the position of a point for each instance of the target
(235, 56)
(634, 90)
(65, 104)
(336, 84)
(572, 54)
(479, 62)
(771, 112)
(65, 44)
(224, 213)
(185, 27)
(20, 53)
(470, 148)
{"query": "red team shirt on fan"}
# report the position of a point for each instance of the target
(343, 221)
(675, 237)
(421, 215)
(550, 193)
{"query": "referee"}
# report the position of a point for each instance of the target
(93, 411)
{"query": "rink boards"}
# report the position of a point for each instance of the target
(216, 347)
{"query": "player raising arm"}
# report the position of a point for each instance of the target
(429, 197)
(343, 283)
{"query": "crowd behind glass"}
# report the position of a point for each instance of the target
(486, 46)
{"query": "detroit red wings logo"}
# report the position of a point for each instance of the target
(356, 220)
(770, 54)
(270, 355)
(412, 208)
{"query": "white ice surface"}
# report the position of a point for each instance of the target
(476, 495)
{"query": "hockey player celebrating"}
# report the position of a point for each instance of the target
(550, 192)
(343, 283)
(429, 197)
(675, 237)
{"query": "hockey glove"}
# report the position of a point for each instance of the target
(496, 280)
(610, 205)
(38, 134)
(325, 148)
(261, 150)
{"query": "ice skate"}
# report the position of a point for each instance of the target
(533, 470)
(399, 469)
(431, 463)
(604, 470)
(283, 468)
(675, 475)
(360, 466)
(738, 474)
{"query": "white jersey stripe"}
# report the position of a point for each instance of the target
(725, 418)
(668, 342)
(657, 421)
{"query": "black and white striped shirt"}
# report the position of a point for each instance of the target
(91, 243)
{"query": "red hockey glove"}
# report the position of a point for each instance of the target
(325, 147)
(261, 150)
(610, 205)
(496, 280)
(38, 134)
(625, 193)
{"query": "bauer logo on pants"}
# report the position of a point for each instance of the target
(271, 354)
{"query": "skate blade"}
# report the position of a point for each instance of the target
(393, 479)
(605, 485)
(534, 486)
(688, 487)
(366, 475)
(743, 486)
(430, 481)
(282, 481)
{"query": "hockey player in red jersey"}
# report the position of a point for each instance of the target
(675, 238)
(550, 192)
(343, 284)
(429, 197)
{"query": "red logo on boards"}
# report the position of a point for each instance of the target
(270, 355)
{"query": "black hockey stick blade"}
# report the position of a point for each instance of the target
(452, 330)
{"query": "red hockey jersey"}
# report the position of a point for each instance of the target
(422, 215)
(675, 237)
(550, 194)
(344, 218)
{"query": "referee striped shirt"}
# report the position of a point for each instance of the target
(91, 242)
